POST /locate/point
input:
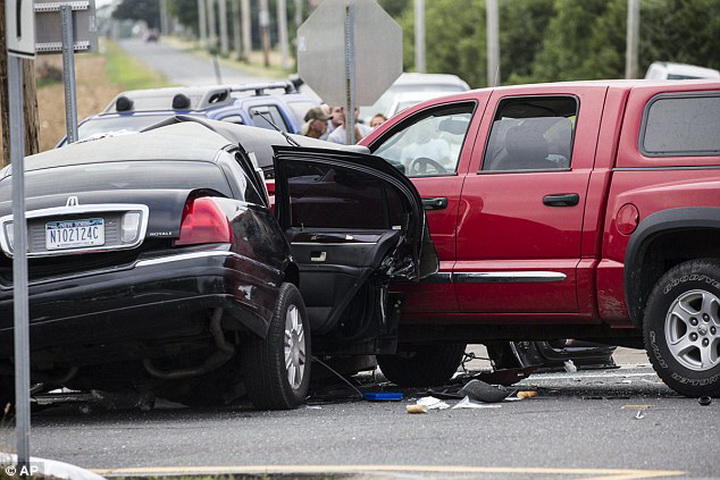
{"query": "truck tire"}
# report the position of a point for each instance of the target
(425, 366)
(277, 368)
(681, 327)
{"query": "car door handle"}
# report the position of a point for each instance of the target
(318, 256)
(436, 203)
(561, 200)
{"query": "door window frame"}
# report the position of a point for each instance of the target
(488, 133)
(287, 129)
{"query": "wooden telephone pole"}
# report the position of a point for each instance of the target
(32, 144)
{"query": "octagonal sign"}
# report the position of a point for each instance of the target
(372, 45)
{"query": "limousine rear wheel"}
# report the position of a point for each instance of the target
(278, 367)
(681, 327)
(424, 365)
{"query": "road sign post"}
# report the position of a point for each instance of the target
(349, 53)
(20, 41)
(67, 27)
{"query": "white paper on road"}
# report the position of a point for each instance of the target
(466, 403)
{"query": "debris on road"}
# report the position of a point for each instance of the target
(416, 408)
(433, 403)
(383, 396)
(636, 407)
(466, 403)
(570, 366)
(484, 392)
(705, 401)
(640, 415)
(527, 394)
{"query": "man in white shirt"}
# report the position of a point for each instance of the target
(338, 135)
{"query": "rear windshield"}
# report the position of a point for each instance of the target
(102, 126)
(682, 125)
(121, 176)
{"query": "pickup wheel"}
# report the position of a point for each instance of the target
(426, 366)
(277, 368)
(681, 327)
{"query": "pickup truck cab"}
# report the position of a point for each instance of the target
(586, 210)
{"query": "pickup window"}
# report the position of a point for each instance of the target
(681, 125)
(532, 133)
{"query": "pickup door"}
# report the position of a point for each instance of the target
(520, 225)
(354, 223)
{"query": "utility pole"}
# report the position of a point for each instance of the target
(202, 23)
(264, 15)
(30, 101)
(237, 36)
(224, 43)
(633, 39)
(420, 36)
(212, 24)
(493, 43)
(298, 13)
(246, 29)
(283, 32)
(164, 24)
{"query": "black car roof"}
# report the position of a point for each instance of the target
(180, 138)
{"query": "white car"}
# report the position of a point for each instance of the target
(679, 71)
(422, 85)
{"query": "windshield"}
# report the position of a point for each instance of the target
(110, 126)
(387, 99)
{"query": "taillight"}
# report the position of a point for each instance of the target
(203, 222)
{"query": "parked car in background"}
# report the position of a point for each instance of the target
(156, 265)
(582, 210)
(422, 85)
(679, 71)
(264, 105)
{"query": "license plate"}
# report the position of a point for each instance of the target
(64, 234)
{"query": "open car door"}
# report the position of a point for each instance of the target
(354, 224)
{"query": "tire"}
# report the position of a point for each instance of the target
(426, 366)
(266, 375)
(681, 328)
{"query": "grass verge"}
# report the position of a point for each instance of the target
(128, 72)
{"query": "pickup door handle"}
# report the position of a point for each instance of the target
(561, 200)
(436, 203)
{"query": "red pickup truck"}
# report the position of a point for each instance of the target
(586, 210)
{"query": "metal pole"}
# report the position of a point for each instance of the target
(68, 54)
(237, 37)
(224, 41)
(202, 23)
(164, 24)
(493, 43)
(212, 26)
(246, 28)
(283, 32)
(265, 30)
(420, 36)
(20, 268)
(350, 74)
(298, 12)
(633, 39)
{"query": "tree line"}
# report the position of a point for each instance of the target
(540, 40)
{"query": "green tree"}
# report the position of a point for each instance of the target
(185, 12)
(137, 10)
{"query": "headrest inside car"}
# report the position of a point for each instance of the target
(180, 102)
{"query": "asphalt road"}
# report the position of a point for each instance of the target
(184, 68)
(578, 427)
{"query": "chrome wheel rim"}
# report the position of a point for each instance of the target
(692, 330)
(295, 347)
